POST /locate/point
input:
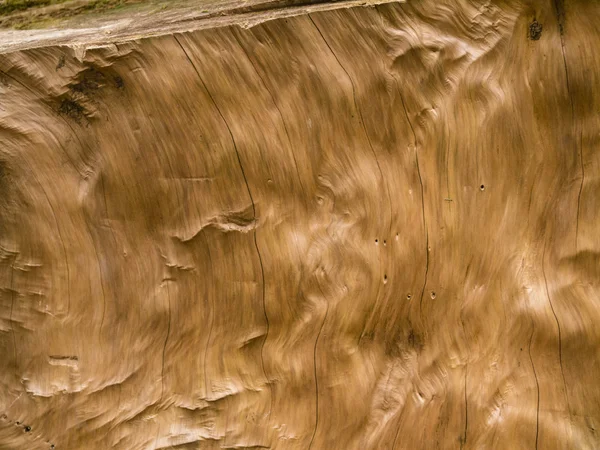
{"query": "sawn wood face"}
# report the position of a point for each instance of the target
(363, 228)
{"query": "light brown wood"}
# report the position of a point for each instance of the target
(364, 228)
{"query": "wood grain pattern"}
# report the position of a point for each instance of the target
(364, 228)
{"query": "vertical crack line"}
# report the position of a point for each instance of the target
(264, 305)
(420, 180)
(422, 203)
(464, 439)
(537, 415)
(448, 171)
(162, 370)
(558, 326)
(381, 177)
(253, 211)
(315, 369)
(466, 409)
(426, 233)
(211, 320)
(560, 18)
(12, 305)
(580, 191)
(362, 122)
(305, 198)
(276, 107)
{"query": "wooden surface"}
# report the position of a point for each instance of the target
(368, 228)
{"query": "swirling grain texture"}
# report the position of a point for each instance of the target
(365, 228)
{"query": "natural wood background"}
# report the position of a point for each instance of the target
(369, 228)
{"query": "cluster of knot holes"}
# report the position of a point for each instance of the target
(26, 428)
(385, 277)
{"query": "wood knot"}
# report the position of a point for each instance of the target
(535, 30)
